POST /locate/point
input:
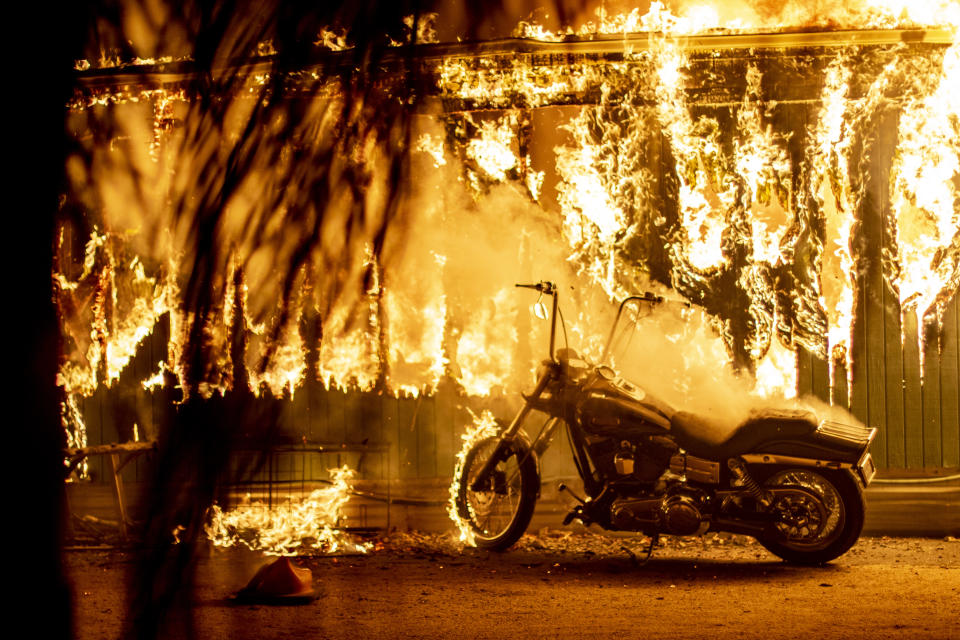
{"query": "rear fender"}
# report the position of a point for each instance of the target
(832, 446)
(864, 468)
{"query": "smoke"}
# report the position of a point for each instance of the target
(460, 254)
(471, 248)
(675, 354)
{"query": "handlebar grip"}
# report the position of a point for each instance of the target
(543, 287)
(652, 297)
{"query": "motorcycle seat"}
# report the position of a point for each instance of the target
(707, 437)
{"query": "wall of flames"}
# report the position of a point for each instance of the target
(746, 213)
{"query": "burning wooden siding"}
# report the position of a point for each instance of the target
(918, 423)
(421, 434)
(911, 396)
(878, 372)
(890, 374)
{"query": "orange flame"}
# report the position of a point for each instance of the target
(407, 324)
(312, 523)
(484, 426)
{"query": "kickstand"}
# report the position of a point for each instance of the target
(646, 558)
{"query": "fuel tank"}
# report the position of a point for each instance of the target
(610, 404)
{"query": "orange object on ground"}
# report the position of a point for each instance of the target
(280, 582)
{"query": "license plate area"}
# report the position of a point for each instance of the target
(866, 469)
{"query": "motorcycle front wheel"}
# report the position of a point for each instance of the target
(814, 531)
(500, 511)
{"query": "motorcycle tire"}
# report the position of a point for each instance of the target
(842, 497)
(500, 515)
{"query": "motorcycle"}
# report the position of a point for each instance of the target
(792, 481)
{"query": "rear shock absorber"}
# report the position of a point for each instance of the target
(738, 469)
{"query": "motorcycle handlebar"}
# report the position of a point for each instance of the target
(646, 296)
(543, 287)
(550, 289)
(652, 297)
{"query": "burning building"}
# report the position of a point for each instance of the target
(797, 183)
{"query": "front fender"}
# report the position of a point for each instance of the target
(520, 444)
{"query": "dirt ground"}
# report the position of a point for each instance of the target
(558, 584)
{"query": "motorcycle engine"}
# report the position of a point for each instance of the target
(640, 457)
(626, 439)
(680, 512)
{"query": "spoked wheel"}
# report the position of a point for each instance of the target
(499, 512)
(819, 514)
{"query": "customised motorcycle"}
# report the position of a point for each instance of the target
(785, 477)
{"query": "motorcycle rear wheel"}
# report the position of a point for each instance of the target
(499, 514)
(802, 535)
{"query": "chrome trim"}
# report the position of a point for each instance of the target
(846, 432)
(695, 469)
(774, 458)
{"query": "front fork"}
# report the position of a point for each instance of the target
(510, 433)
